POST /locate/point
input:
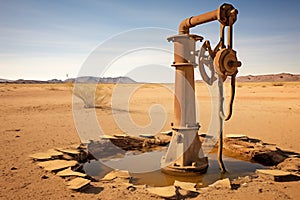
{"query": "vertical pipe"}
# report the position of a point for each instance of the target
(179, 100)
(184, 102)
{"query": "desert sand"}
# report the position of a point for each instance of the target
(36, 118)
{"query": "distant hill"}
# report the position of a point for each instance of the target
(22, 81)
(282, 77)
(92, 79)
(5, 80)
(83, 79)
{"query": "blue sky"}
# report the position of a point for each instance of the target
(49, 39)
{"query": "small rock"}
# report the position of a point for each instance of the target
(75, 146)
(224, 183)
(244, 184)
(54, 153)
(186, 185)
(107, 137)
(146, 135)
(17, 136)
(70, 172)
(235, 136)
(166, 192)
(67, 157)
(183, 192)
(54, 165)
(290, 164)
(116, 174)
(51, 153)
(205, 189)
(169, 133)
(277, 175)
(13, 168)
(40, 156)
(247, 179)
(141, 186)
(260, 190)
(120, 135)
(78, 183)
(69, 151)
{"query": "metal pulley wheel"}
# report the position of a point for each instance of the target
(226, 63)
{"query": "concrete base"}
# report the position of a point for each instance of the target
(174, 169)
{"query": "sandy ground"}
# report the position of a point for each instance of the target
(35, 118)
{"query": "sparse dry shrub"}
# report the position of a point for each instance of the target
(69, 84)
(53, 88)
(93, 97)
(277, 84)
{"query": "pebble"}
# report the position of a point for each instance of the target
(44, 177)
(244, 185)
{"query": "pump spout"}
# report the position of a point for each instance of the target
(186, 24)
(226, 14)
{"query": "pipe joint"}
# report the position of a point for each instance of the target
(227, 14)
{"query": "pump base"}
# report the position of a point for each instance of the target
(174, 169)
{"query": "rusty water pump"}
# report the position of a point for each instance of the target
(185, 152)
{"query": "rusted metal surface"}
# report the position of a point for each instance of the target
(226, 14)
(185, 145)
(190, 22)
(185, 153)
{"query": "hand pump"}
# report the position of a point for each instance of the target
(185, 153)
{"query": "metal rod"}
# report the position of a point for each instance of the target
(220, 149)
(222, 28)
(229, 37)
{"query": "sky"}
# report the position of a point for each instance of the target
(55, 39)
